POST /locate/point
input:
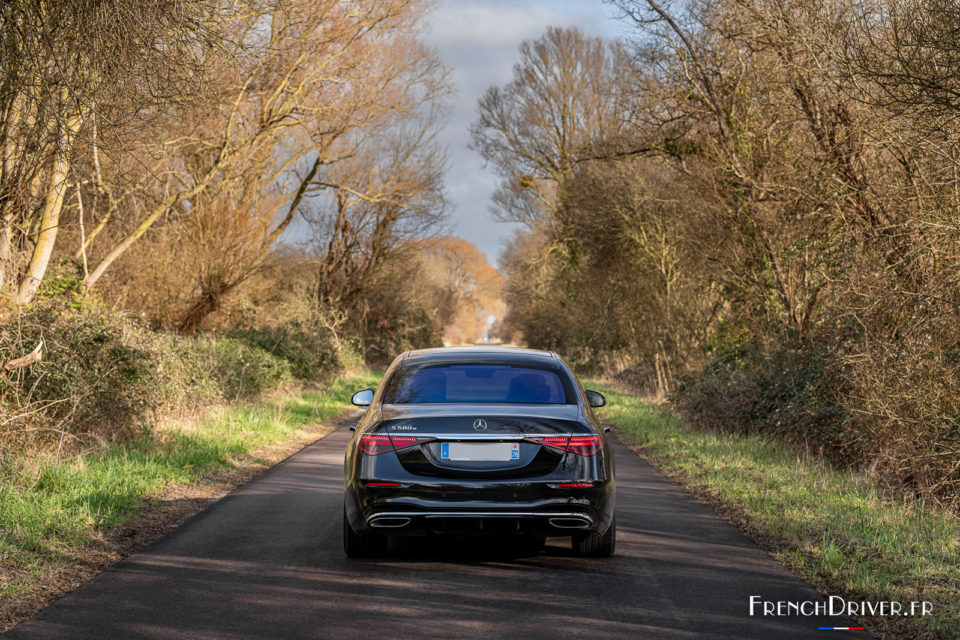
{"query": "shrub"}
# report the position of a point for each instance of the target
(311, 355)
(100, 375)
(789, 390)
(890, 408)
(107, 377)
(240, 369)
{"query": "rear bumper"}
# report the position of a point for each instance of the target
(492, 522)
(501, 510)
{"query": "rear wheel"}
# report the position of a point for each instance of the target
(596, 545)
(357, 545)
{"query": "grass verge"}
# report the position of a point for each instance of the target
(833, 527)
(55, 512)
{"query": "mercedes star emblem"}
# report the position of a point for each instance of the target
(480, 424)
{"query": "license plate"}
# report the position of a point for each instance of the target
(480, 452)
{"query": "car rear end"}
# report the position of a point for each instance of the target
(543, 474)
(434, 464)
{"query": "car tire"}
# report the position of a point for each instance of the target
(597, 545)
(357, 545)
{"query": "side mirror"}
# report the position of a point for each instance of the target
(362, 398)
(596, 399)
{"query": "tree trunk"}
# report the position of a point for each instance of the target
(224, 157)
(6, 233)
(124, 244)
(207, 303)
(50, 218)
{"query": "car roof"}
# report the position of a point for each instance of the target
(480, 354)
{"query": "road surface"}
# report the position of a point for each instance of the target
(266, 562)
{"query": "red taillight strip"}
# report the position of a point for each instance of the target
(581, 445)
(402, 442)
(584, 445)
(374, 445)
(384, 484)
(574, 484)
(554, 442)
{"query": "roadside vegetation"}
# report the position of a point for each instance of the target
(833, 527)
(747, 210)
(205, 210)
(52, 506)
(750, 208)
(152, 159)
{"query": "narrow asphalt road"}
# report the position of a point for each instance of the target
(266, 562)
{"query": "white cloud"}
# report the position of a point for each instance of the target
(490, 24)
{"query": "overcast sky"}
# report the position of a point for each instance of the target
(478, 39)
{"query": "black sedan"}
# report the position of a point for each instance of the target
(479, 440)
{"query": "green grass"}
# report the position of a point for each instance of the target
(834, 527)
(48, 505)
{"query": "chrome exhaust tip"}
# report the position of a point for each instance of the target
(389, 522)
(570, 523)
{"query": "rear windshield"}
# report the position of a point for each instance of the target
(478, 383)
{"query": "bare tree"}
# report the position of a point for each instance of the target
(61, 61)
(537, 129)
(792, 221)
(391, 191)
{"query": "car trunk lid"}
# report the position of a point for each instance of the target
(481, 441)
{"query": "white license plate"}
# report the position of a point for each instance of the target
(480, 452)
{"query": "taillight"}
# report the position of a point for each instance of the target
(374, 445)
(581, 445)
(584, 445)
(554, 442)
(402, 442)
(580, 485)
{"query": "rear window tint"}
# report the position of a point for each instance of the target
(481, 383)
